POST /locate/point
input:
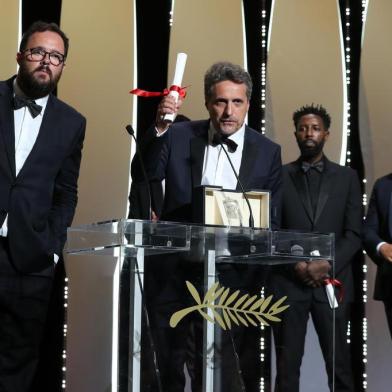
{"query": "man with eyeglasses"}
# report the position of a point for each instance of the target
(41, 140)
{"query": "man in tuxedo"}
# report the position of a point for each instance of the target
(319, 196)
(186, 155)
(377, 240)
(41, 140)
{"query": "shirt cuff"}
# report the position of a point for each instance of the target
(379, 246)
(160, 134)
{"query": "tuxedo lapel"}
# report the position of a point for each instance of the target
(7, 123)
(299, 181)
(249, 151)
(327, 182)
(198, 145)
(45, 134)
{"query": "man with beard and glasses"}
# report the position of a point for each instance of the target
(318, 196)
(41, 141)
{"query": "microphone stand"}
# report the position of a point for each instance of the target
(218, 139)
(131, 132)
(251, 219)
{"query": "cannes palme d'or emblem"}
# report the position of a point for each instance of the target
(228, 309)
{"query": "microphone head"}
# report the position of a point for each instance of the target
(130, 129)
(297, 250)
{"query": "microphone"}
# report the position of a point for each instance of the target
(297, 250)
(138, 153)
(131, 132)
(218, 139)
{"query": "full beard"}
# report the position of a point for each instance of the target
(33, 87)
(309, 152)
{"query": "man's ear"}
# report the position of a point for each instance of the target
(19, 57)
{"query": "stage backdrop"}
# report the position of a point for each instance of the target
(304, 66)
(200, 30)
(8, 37)
(97, 79)
(376, 125)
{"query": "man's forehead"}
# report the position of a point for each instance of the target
(229, 87)
(47, 40)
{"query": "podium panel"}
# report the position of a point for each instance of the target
(191, 307)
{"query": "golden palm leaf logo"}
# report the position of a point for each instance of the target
(231, 308)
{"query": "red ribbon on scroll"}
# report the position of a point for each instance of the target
(143, 93)
(338, 284)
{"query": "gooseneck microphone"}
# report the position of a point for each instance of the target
(145, 311)
(219, 139)
(139, 154)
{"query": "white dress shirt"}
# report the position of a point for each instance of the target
(26, 130)
(216, 167)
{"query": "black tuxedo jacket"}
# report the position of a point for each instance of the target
(40, 201)
(378, 228)
(178, 158)
(338, 211)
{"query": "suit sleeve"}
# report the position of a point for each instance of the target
(152, 150)
(349, 243)
(65, 194)
(371, 232)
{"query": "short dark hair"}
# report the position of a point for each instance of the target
(222, 71)
(317, 110)
(40, 27)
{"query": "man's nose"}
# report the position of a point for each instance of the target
(46, 59)
(229, 109)
(309, 132)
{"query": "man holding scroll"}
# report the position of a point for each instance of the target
(186, 156)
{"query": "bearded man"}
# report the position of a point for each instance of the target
(318, 196)
(41, 141)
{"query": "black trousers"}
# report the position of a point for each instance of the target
(24, 300)
(388, 313)
(289, 337)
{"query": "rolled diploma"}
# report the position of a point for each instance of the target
(333, 303)
(329, 289)
(177, 80)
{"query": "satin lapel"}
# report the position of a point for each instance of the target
(45, 134)
(7, 124)
(327, 182)
(249, 151)
(299, 181)
(198, 145)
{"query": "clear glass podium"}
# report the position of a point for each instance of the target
(151, 304)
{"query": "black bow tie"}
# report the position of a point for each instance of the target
(20, 102)
(219, 139)
(319, 166)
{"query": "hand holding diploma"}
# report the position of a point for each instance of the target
(173, 96)
(177, 80)
(168, 106)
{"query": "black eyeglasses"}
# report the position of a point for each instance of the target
(38, 54)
